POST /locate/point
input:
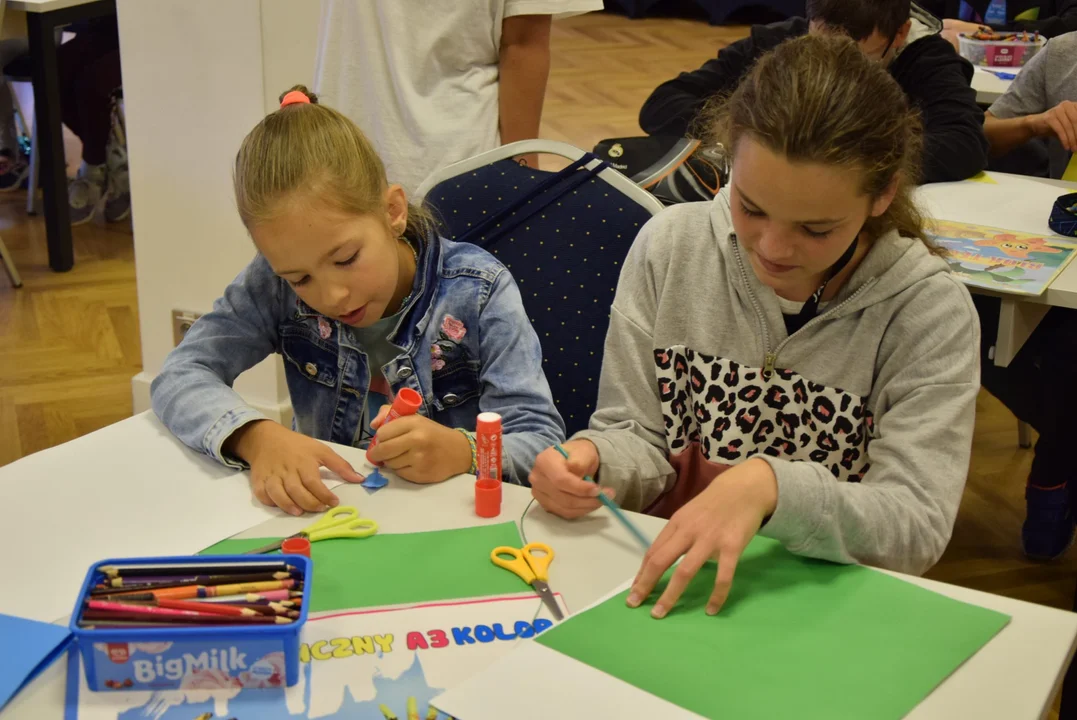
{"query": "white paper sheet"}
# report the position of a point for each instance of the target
(534, 682)
(130, 489)
(507, 689)
(1004, 201)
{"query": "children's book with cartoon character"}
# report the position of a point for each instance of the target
(1002, 260)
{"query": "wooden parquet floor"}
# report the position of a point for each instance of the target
(69, 343)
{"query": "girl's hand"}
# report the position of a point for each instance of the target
(951, 28)
(718, 523)
(420, 450)
(285, 467)
(558, 484)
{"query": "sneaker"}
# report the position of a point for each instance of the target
(84, 193)
(118, 190)
(1049, 524)
(17, 174)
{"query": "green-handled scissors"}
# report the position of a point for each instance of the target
(531, 569)
(339, 522)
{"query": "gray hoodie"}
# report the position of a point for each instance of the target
(865, 414)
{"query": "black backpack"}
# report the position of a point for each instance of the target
(673, 169)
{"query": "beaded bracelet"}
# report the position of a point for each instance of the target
(474, 451)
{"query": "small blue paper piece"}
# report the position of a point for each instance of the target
(375, 481)
(26, 648)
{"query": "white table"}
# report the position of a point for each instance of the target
(1013, 202)
(988, 86)
(1012, 678)
(42, 19)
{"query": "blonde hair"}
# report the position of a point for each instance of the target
(821, 100)
(319, 151)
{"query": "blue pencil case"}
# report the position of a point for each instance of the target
(1063, 218)
(196, 657)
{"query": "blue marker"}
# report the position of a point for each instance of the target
(617, 512)
(1003, 75)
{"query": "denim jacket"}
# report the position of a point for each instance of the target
(465, 342)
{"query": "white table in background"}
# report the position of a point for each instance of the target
(988, 86)
(1012, 202)
(1013, 677)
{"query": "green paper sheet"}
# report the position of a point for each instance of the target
(388, 569)
(797, 638)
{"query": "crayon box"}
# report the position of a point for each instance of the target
(190, 657)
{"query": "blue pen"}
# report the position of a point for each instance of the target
(1004, 75)
(617, 512)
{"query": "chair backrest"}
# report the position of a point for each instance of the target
(564, 237)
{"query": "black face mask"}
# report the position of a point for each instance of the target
(811, 306)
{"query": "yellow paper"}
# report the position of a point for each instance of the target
(983, 177)
(1071, 170)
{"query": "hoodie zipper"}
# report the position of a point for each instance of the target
(770, 357)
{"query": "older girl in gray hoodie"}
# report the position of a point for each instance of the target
(791, 358)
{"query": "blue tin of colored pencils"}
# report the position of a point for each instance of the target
(131, 654)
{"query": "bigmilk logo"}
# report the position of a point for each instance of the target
(226, 659)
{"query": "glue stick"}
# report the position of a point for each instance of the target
(407, 402)
(488, 465)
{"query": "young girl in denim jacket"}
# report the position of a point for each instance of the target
(362, 298)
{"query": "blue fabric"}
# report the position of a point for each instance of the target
(466, 347)
(996, 13)
(564, 237)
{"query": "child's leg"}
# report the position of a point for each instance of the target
(1040, 389)
(91, 72)
(13, 165)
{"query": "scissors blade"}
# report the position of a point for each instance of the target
(546, 594)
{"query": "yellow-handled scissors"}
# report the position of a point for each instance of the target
(531, 568)
(340, 522)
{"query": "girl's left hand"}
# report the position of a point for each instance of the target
(718, 523)
(420, 450)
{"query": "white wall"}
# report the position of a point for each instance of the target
(198, 75)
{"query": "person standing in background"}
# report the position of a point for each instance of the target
(433, 82)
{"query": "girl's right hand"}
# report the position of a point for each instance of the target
(285, 467)
(558, 484)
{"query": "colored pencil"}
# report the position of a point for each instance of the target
(190, 592)
(432, 713)
(207, 608)
(413, 709)
(164, 611)
(136, 582)
(196, 568)
(385, 711)
(133, 613)
(225, 580)
(628, 525)
(265, 596)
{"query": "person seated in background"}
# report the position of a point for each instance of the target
(897, 34)
(90, 89)
(1040, 103)
(14, 163)
(1049, 17)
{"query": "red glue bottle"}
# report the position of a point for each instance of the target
(406, 402)
(488, 465)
